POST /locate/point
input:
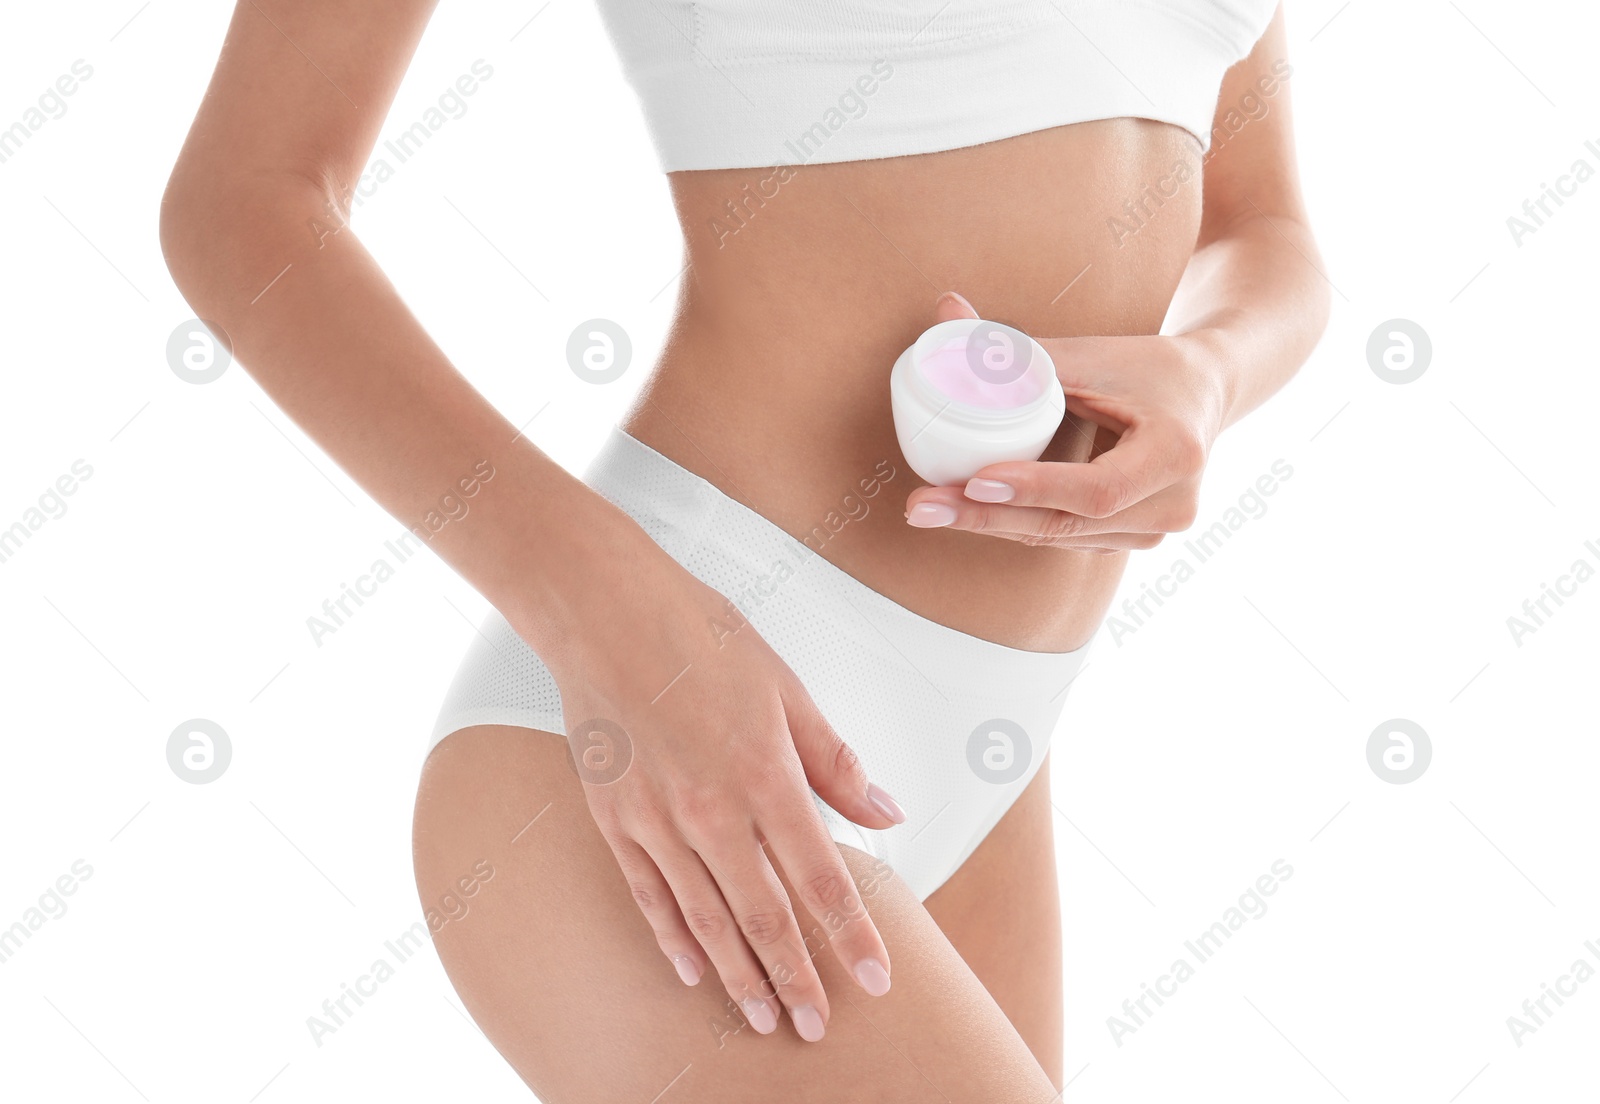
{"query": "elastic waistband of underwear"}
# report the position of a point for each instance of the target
(680, 508)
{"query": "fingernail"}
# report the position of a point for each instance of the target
(885, 804)
(990, 490)
(872, 976)
(760, 1014)
(807, 1022)
(931, 515)
(687, 969)
(962, 299)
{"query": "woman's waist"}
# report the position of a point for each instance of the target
(774, 382)
(831, 476)
(1083, 228)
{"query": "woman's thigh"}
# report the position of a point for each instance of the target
(1002, 912)
(560, 970)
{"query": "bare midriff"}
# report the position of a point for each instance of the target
(774, 381)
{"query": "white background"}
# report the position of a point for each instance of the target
(1227, 732)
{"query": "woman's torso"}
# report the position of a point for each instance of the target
(774, 381)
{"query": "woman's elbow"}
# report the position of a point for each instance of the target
(217, 230)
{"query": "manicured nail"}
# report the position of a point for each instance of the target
(885, 804)
(807, 1022)
(687, 969)
(872, 976)
(962, 299)
(931, 515)
(990, 490)
(760, 1015)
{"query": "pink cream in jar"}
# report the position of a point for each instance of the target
(969, 393)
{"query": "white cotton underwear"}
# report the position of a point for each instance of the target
(954, 727)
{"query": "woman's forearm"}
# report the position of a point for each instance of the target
(317, 324)
(1255, 298)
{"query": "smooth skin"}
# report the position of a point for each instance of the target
(555, 962)
(705, 861)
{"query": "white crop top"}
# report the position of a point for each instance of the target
(756, 83)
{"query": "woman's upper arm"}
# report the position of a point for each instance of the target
(298, 95)
(1250, 168)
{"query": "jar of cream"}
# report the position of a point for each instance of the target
(969, 393)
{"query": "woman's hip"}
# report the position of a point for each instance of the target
(953, 725)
